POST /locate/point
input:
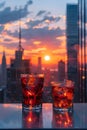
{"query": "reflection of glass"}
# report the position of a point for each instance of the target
(62, 119)
(32, 90)
(32, 119)
(63, 94)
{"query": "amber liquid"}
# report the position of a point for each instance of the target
(32, 88)
(62, 97)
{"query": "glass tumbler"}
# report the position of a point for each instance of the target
(32, 88)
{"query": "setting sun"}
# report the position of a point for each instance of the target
(47, 57)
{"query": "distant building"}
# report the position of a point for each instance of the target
(3, 71)
(47, 77)
(3, 79)
(1, 95)
(54, 75)
(61, 70)
(39, 68)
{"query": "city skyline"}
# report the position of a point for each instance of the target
(43, 40)
(43, 29)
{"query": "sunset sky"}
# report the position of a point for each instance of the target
(43, 28)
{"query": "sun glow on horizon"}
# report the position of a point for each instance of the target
(47, 57)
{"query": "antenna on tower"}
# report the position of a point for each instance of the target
(20, 47)
(3, 51)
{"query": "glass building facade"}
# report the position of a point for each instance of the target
(72, 46)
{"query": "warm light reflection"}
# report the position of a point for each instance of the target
(6, 105)
(31, 119)
(81, 54)
(47, 106)
(83, 77)
(62, 120)
(12, 106)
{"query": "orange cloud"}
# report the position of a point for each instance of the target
(37, 42)
(14, 26)
(11, 39)
(7, 26)
(63, 38)
(47, 21)
(64, 17)
(39, 26)
(35, 51)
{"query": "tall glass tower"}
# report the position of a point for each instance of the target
(72, 45)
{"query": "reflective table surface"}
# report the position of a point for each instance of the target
(13, 116)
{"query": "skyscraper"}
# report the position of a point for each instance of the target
(1, 95)
(17, 62)
(72, 45)
(19, 52)
(18, 66)
(3, 78)
(39, 65)
(61, 70)
(3, 70)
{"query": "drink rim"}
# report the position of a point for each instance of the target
(62, 84)
(32, 75)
